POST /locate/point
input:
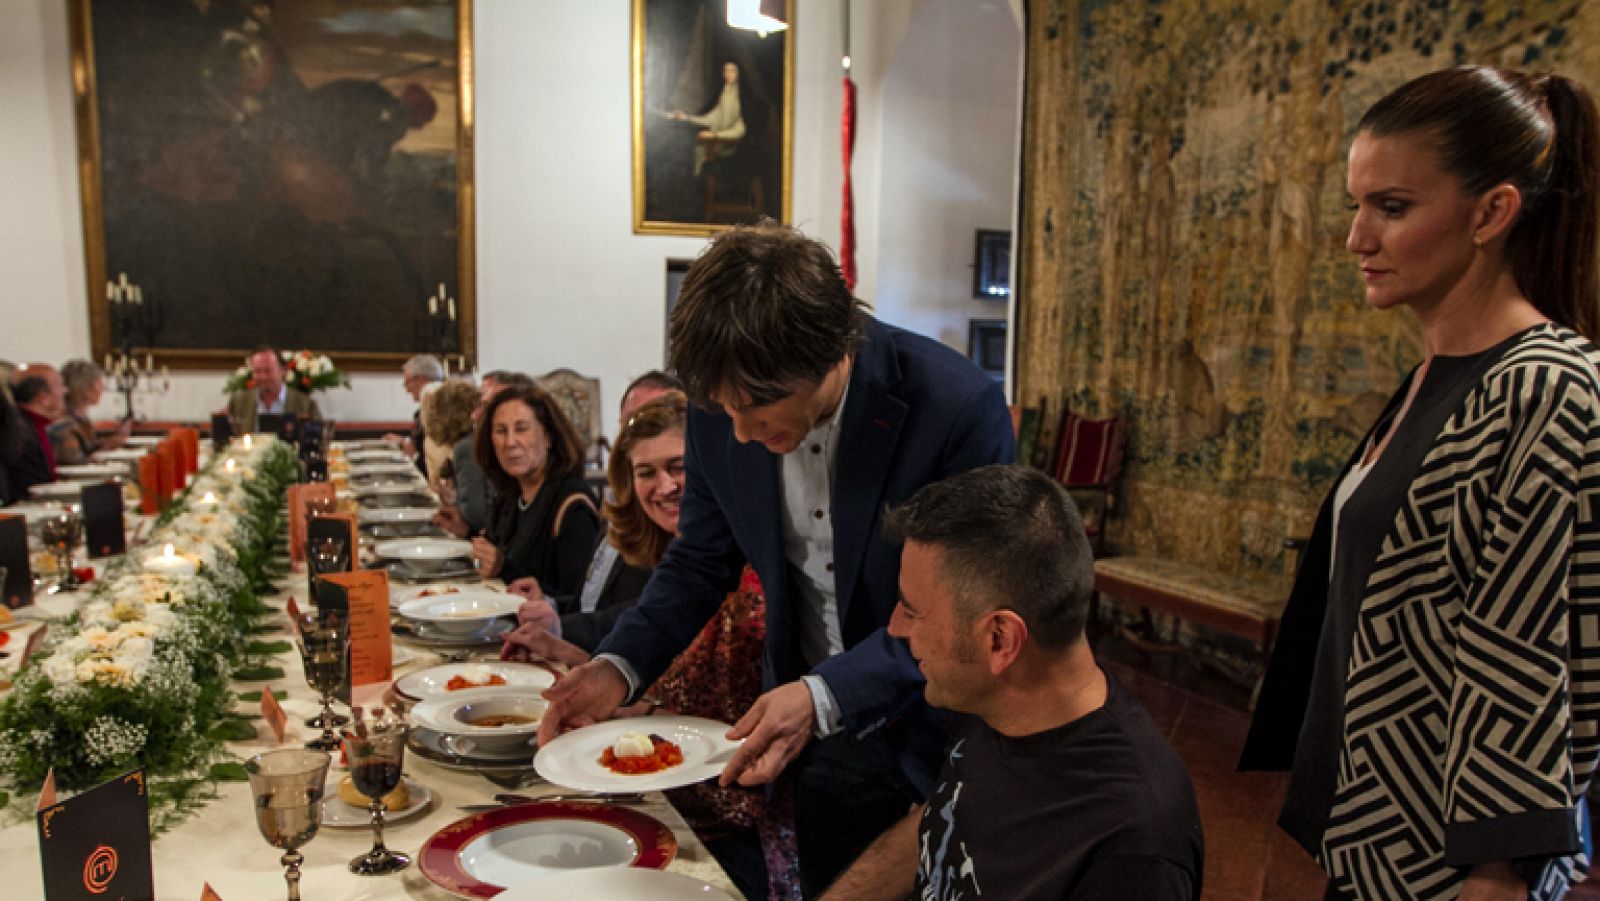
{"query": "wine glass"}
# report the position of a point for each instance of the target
(330, 556)
(287, 789)
(376, 760)
(325, 653)
(59, 532)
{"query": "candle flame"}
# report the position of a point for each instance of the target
(247, 442)
(229, 464)
(209, 498)
(170, 551)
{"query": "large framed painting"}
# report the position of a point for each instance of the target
(712, 121)
(295, 173)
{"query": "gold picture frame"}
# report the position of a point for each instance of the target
(297, 174)
(710, 149)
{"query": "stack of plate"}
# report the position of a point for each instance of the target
(396, 522)
(495, 726)
(427, 559)
(464, 618)
(393, 492)
(89, 472)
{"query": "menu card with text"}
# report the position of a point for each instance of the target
(17, 588)
(103, 531)
(364, 596)
(97, 844)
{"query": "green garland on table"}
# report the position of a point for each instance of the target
(140, 675)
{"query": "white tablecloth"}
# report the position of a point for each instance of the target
(220, 844)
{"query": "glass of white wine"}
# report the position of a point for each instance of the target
(287, 789)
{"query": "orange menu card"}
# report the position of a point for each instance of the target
(299, 496)
(365, 594)
(150, 484)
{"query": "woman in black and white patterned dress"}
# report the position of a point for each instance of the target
(1435, 691)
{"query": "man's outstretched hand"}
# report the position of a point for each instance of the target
(586, 694)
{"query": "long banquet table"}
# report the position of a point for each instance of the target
(220, 845)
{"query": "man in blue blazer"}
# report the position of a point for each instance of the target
(809, 418)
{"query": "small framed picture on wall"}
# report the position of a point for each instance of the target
(991, 265)
(986, 345)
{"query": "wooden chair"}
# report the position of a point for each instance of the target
(1088, 461)
(578, 396)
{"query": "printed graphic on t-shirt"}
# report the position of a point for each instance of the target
(948, 874)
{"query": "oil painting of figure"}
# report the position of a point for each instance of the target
(280, 172)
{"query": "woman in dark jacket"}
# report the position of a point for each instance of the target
(646, 478)
(543, 524)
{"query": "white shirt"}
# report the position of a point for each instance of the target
(806, 479)
(276, 407)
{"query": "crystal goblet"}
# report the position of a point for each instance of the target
(287, 786)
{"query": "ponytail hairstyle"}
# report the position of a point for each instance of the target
(1540, 133)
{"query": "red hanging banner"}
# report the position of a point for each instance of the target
(847, 209)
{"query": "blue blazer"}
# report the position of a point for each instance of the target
(916, 413)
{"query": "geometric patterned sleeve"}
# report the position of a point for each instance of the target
(1524, 700)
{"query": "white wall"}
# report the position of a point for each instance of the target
(562, 280)
(951, 115)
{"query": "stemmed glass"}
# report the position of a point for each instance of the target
(376, 760)
(325, 653)
(287, 788)
(330, 556)
(60, 533)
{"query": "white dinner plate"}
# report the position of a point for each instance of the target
(462, 612)
(381, 467)
(340, 815)
(573, 760)
(513, 854)
(614, 884)
(122, 454)
(423, 550)
(66, 490)
(33, 512)
(144, 440)
(375, 455)
(88, 472)
(434, 681)
(395, 514)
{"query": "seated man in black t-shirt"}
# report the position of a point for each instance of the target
(1056, 784)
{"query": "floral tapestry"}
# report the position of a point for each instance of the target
(1182, 252)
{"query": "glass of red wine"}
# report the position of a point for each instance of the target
(286, 787)
(376, 759)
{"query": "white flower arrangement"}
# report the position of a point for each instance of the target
(141, 672)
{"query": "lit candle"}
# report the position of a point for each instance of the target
(246, 444)
(441, 289)
(138, 294)
(229, 466)
(433, 305)
(109, 370)
(149, 362)
(209, 499)
(111, 292)
(452, 309)
(169, 563)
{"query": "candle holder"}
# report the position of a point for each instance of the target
(134, 322)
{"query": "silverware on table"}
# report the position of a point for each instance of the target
(511, 800)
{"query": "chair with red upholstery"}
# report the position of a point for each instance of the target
(1087, 463)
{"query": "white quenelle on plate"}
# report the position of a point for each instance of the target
(614, 884)
(424, 554)
(464, 612)
(434, 682)
(573, 760)
(499, 720)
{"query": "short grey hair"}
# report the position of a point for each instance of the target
(425, 365)
(79, 376)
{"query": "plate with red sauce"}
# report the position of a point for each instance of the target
(683, 750)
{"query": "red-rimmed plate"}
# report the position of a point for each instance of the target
(480, 856)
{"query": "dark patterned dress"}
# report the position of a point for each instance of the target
(719, 677)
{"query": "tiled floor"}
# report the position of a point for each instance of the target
(1247, 856)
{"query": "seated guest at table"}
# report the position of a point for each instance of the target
(1056, 784)
(543, 524)
(474, 495)
(41, 396)
(645, 476)
(8, 374)
(446, 419)
(73, 436)
(417, 374)
(267, 392)
(644, 389)
(14, 432)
